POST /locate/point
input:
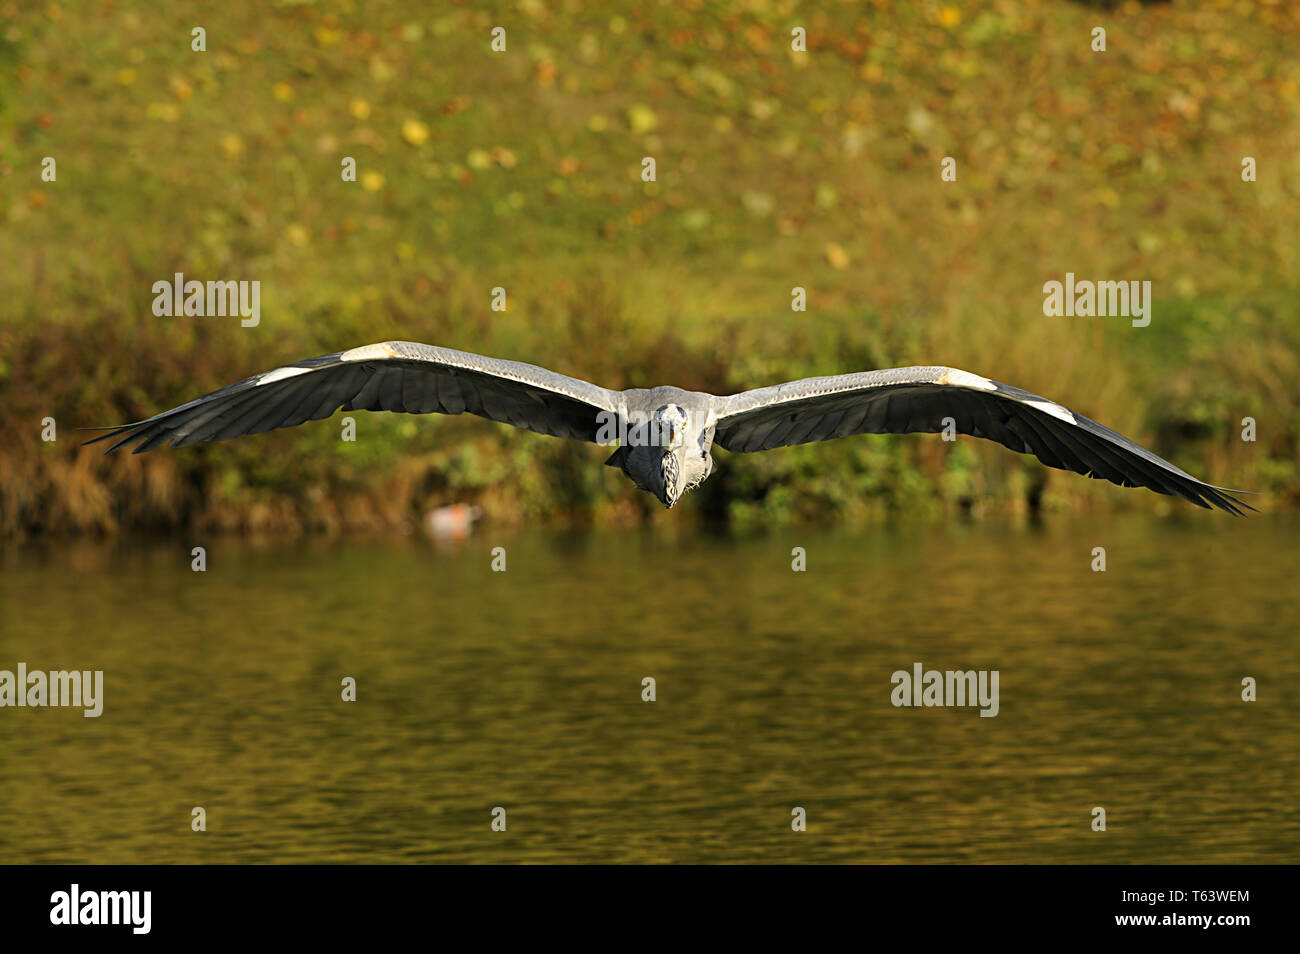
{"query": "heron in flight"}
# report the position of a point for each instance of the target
(665, 435)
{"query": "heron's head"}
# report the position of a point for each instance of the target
(669, 429)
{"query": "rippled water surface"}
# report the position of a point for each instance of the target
(523, 689)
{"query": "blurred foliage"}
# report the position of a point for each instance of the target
(522, 169)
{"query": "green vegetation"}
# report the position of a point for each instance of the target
(522, 169)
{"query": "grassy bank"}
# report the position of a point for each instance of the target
(522, 170)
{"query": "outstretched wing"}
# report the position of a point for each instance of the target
(391, 376)
(906, 400)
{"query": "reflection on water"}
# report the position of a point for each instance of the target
(523, 689)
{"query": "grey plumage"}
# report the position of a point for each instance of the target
(670, 431)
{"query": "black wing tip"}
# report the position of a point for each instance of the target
(112, 432)
(129, 433)
(1211, 497)
(1236, 505)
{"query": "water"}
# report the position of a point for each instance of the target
(523, 690)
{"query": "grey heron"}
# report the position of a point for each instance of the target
(665, 435)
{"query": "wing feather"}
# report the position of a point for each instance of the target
(399, 376)
(906, 400)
